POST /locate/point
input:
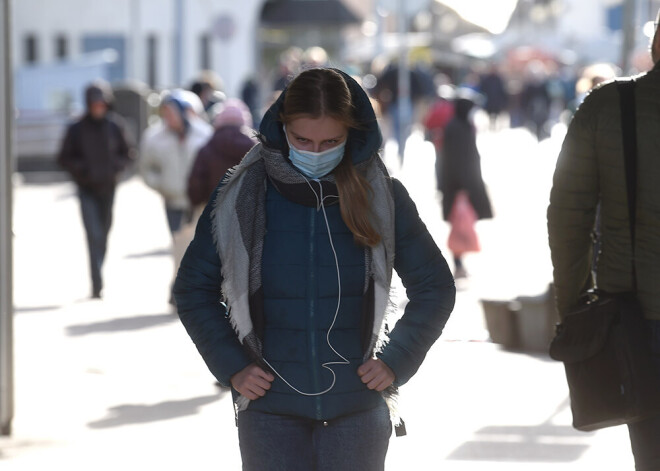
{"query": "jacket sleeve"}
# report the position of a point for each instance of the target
(198, 299)
(126, 146)
(429, 287)
(572, 210)
(196, 182)
(149, 164)
(69, 156)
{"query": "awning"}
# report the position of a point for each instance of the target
(491, 15)
(307, 12)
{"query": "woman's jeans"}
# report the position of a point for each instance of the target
(645, 435)
(285, 443)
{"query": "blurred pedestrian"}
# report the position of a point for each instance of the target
(439, 115)
(288, 66)
(491, 85)
(251, 96)
(209, 90)
(95, 151)
(591, 172)
(302, 240)
(232, 139)
(386, 92)
(460, 173)
(167, 152)
(535, 100)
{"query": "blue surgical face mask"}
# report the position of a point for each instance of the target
(316, 164)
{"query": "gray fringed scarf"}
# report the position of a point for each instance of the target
(239, 222)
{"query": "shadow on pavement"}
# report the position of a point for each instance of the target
(122, 324)
(11, 447)
(510, 444)
(131, 414)
(151, 253)
(28, 309)
(544, 443)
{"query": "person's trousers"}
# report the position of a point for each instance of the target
(174, 218)
(645, 435)
(96, 212)
(357, 442)
(645, 443)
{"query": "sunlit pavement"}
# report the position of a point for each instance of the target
(117, 384)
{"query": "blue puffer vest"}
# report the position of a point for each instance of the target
(301, 292)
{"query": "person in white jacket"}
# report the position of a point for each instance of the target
(167, 152)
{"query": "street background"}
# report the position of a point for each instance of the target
(117, 384)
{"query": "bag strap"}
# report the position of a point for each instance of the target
(629, 132)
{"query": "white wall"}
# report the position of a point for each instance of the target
(583, 19)
(136, 20)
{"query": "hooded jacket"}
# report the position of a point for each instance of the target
(590, 169)
(300, 293)
(223, 151)
(96, 151)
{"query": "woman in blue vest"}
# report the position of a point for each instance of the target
(285, 287)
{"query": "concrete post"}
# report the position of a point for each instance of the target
(6, 237)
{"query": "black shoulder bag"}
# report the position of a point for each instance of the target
(605, 342)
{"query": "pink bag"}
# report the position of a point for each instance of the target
(462, 237)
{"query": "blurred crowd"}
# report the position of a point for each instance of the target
(196, 133)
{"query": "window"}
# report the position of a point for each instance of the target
(31, 53)
(61, 47)
(99, 42)
(152, 55)
(205, 52)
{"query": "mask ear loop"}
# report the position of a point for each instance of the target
(321, 206)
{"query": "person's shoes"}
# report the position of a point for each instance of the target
(460, 273)
(96, 294)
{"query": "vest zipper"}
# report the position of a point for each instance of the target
(316, 384)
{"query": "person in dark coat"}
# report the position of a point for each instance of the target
(95, 150)
(285, 287)
(460, 169)
(491, 85)
(230, 142)
(386, 93)
(536, 101)
(590, 180)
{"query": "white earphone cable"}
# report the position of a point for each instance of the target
(321, 206)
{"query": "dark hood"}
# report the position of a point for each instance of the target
(362, 143)
(98, 91)
(462, 108)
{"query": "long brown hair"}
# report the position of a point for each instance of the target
(323, 92)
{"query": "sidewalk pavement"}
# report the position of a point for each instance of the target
(117, 384)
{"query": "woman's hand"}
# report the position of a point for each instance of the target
(376, 374)
(252, 382)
